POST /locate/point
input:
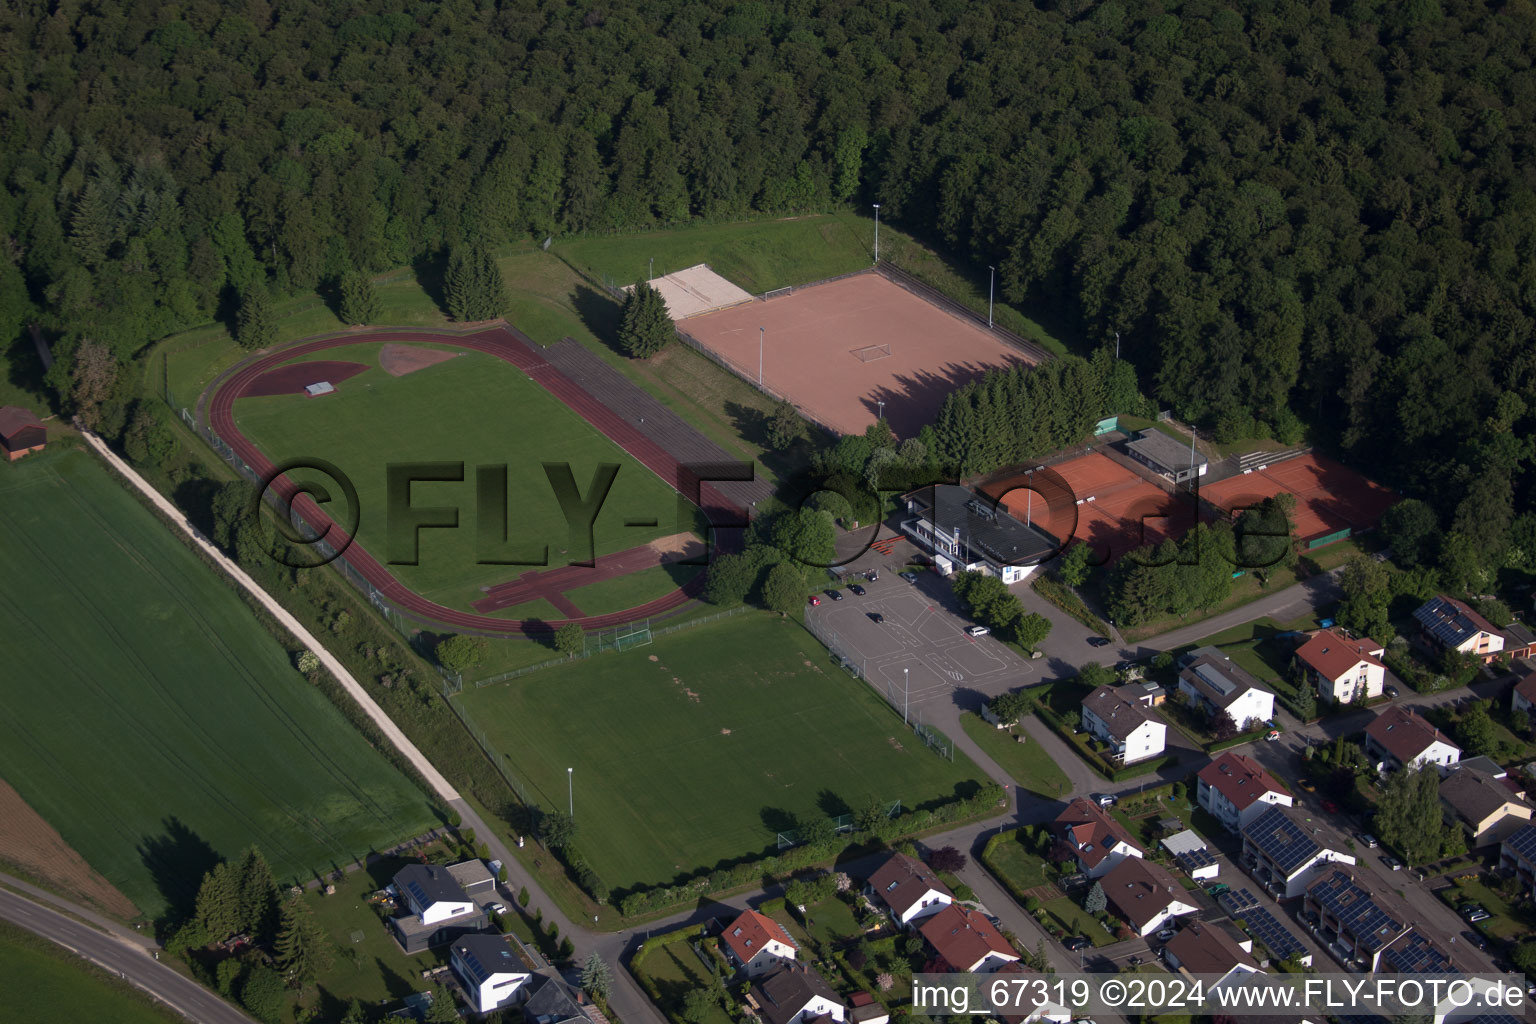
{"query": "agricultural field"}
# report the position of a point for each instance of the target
(45, 984)
(152, 720)
(480, 410)
(702, 746)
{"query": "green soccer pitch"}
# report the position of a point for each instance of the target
(150, 718)
(479, 410)
(688, 751)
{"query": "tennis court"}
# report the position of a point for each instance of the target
(849, 350)
(1329, 497)
(1097, 501)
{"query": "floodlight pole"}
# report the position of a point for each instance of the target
(1117, 346)
(906, 684)
(991, 288)
(760, 356)
(881, 414)
(570, 792)
(650, 274)
(877, 232)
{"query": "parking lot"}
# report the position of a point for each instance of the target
(907, 642)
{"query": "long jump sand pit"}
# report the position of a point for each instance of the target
(840, 349)
(696, 290)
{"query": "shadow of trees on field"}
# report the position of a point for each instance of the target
(599, 314)
(177, 861)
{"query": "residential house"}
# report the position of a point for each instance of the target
(965, 942)
(1449, 624)
(1205, 947)
(1144, 895)
(1519, 640)
(757, 944)
(967, 531)
(1341, 668)
(909, 890)
(435, 909)
(1214, 682)
(551, 1001)
(1485, 807)
(1373, 931)
(1517, 853)
(1125, 722)
(1282, 855)
(1236, 790)
(1190, 853)
(1524, 696)
(1097, 841)
(795, 995)
(863, 1009)
(1399, 738)
(490, 972)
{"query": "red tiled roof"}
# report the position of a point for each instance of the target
(902, 882)
(1092, 832)
(1404, 734)
(1526, 687)
(1139, 890)
(748, 934)
(963, 938)
(1334, 655)
(1239, 779)
(1206, 948)
(14, 418)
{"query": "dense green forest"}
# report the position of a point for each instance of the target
(1286, 210)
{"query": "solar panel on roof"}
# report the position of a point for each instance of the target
(418, 893)
(1281, 840)
(1236, 901)
(1418, 956)
(1523, 843)
(1193, 860)
(1357, 912)
(1278, 939)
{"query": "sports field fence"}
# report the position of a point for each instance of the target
(498, 760)
(857, 665)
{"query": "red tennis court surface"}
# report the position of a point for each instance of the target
(838, 350)
(1104, 504)
(1329, 497)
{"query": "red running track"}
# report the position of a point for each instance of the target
(506, 343)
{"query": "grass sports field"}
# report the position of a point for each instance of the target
(480, 410)
(45, 984)
(695, 749)
(150, 718)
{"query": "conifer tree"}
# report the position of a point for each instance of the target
(256, 324)
(218, 903)
(359, 300)
(472, 286)
(302, 949)
(646, 327)
(257, 895)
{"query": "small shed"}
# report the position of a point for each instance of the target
(20, 432)
(1191, 854)
(323, 387)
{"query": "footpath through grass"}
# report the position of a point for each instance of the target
(46, 984)
(701, 747)
(151, 718)
(1027, 763)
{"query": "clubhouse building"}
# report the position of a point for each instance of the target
(969, 532)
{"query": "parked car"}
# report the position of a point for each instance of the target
(1368, 841)
(1391, 691)
(1477, 914)
(1475, 939)
(815, 600)
(1124, 666)
(1103, 799)
(1076, 942)
(1098, 641)
(910, 577)
(836, 595)
(1217, 888)
(976, 631)
(856, 589)
(872, 575)
(1307, 786)
(1391, 862)
(1329, 807)
(1272, 735)
(1166, 934)
(876, 618)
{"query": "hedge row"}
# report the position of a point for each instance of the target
(644, 901)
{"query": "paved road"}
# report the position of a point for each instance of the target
(127, 959)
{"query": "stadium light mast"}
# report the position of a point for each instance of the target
(570, 792)
(877, 232)
(881, 414)
(991, 289)
(650, 274)
(1117, 346)
(906, 685)
(760, 356)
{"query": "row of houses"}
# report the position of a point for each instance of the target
(450, 905)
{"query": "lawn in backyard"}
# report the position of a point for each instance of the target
(704, 745)
(481, 411)
(151, 718)
(1028, 763)
(46, 984)
(675, 969)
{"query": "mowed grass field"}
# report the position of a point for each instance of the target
(697, 748)
(150, 718)
(46, 984)
(479, 410)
